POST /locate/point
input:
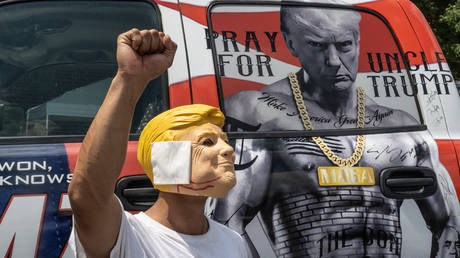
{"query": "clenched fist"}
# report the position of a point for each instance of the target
(144, 55)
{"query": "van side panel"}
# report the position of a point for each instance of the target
(201, 67)
(204, 87)
(457, 150)
(33, 179)
(131, 166)
(448, 156)
(437, 93)
(178, 79)
(449, 100)
(421, 27)
(449, 150)
(437, 99)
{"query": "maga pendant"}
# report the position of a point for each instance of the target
(340, 176)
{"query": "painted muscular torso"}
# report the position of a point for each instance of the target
(319, 221)
(308, 220)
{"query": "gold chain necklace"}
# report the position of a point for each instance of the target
(357, 154)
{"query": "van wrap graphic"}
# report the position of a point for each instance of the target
(428, 66)
(35, 214)
(31, 223)
(32, 180)
(329, 53)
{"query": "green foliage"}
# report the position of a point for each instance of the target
(444, 19)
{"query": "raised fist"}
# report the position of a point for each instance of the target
(144, 55)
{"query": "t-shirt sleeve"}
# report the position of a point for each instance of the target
(244, 248)
(127, 244)
(232, 243)
(74, 243)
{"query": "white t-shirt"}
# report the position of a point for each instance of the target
(140, 236)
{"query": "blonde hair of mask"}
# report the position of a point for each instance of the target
(170, 125)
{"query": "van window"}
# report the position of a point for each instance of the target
(57, 60)
(257, 48)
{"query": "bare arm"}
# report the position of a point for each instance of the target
(243, 202)
(142, 56)
(240, 110)
(442, 210)
(253, 164)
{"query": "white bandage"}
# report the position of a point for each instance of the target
(171, 162)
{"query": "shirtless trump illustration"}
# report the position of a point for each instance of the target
(184, 153)
(319, 196)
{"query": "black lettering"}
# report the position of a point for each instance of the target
(416, 83)
(344, 238)
(446, 78)
(405, 87)
(374, 84)
(265, 96)
(433, 77)
(394, 153)
(395, 58)
(208, 37)
(381, 238)
(229, 35)
(371, 62)
(272, 102)
(343, 119)
(397, 243)
(251, 36)
(272, 38)
(387, 82)
(321, 247)
(368, 236)
(406, 57)
(329, 238)
(336, 238)
(394, 244)
(377, 117)
(425, 63)
(318, 119)
(240, 65)
(265, 62)
(439, 59)
(222, 63)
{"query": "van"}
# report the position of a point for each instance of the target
(367, 166)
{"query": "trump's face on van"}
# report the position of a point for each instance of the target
(326, 42)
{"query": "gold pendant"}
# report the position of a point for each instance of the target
(360, 141)
(340, 176)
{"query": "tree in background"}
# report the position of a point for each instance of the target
(444, 19)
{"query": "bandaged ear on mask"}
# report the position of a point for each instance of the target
(173, 171)
(171, 162)
(168, 165)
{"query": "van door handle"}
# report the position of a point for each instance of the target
(408, 182)
(136, 193)
(401, 182)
